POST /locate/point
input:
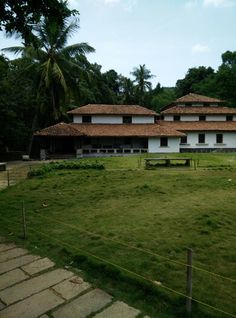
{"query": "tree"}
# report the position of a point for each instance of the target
(194, 76)
(142, 76)
(20, 16)
(52, 60)
(17, 105)
(52, 63)
(128, 93)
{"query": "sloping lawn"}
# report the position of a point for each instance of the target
(164, 211)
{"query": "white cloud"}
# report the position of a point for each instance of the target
(200, 48)
(218, 3)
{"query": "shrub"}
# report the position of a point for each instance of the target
(64, 165)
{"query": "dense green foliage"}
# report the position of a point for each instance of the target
(66, 165)
(164, 211)
(19, 16)
(49, 77)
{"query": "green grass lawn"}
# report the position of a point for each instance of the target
(164, 211)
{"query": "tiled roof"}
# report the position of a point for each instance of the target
(195, 98)
(199, 110)
(103, 109)
(60, 129)
(109, 130)
(199, 125)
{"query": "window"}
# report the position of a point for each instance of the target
(86, 119)
(184, 140)
(219, 138)
(176, 118)
(127, 119)
(229, 117)
(201, 138)
(202, 118)
(163, 142)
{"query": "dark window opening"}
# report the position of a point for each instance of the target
(176, 118)
(202, 118)
(219, 138)
(127, 119)
(201, 138)
(229, 117)
(163, 142)
(86, 119)
(184, 140)
(87, 141)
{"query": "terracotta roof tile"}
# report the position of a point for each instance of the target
(199, 110)
(196, 98)
(61, 129)
(103, 109)
(109, 130)
(199, 125)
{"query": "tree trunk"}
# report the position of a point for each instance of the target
(33, 129)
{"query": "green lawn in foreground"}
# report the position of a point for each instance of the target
(164, 210)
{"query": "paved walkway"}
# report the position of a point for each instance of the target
(31, 287)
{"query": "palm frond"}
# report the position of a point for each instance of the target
(14, 49)
(66, 32)
(79, 48)
(58, 74)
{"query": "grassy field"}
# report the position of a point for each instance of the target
(157, 213)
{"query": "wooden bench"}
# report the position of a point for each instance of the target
(3, 166)
(155, 162)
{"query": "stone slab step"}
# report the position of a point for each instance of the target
(33, 306)
(33, 285)
(5, 247)
(12, 253)
(38, 266)
(71, 287)
(84, 306)
(17, 262)
(12, 277)
(118, 310)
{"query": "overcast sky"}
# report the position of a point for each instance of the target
(169, 36)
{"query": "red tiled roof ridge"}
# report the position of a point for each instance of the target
(109, 109)
(197, 98)
(110, 130)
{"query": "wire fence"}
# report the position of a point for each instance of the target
(33, 228)
(14, 175)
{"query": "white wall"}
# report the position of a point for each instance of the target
(196, 117)
(107, 119)
(115, 119)
(143, 119)
(77, 119)
(229, 140)
(215, 118)
(154, 145)
(182, 117)
(100, 119)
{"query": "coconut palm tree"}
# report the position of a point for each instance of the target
(52, 61)
(51, 64)
(142, 75)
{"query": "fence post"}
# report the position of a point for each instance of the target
(8, 178)
(189, 280)
(23, 220)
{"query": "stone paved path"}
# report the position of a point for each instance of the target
(31, 287)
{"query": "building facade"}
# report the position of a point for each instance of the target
(206, 123)
(109, 129)
(191, 123)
